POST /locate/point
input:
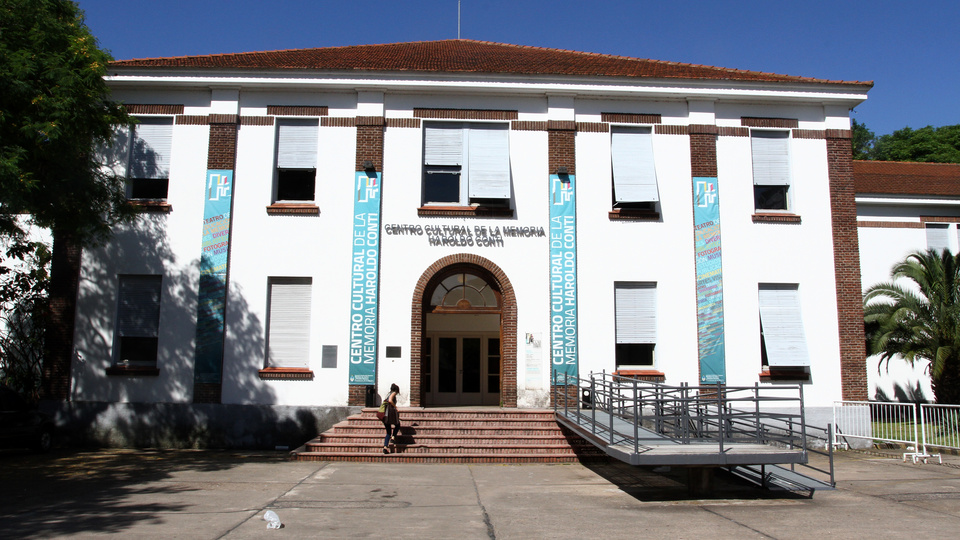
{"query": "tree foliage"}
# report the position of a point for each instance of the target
(916, 317)
(928, 144)
(55, 110)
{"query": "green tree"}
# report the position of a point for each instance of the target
(55, 111)
(916, 317)
(928, 144)
(863, 141)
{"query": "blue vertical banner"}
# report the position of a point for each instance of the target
(563, 274)
(365, 279)
(706, 218)
(214, 257)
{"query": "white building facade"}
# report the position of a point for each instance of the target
(465, 219)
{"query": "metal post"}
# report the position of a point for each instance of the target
(593, 408)
(803, 424)
(610, 407)
(720, 412)
(756, 398)
(636, 420)
(830, 444)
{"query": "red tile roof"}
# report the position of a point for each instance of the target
(903, 178)
(467, 56)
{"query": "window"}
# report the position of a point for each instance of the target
(782, 342)
(634, 174)
(296, 160)
(148, 174)
(466, 163)
(938, 236)
(636, 324)
(138, 319)
(771, 169)
(288, 323)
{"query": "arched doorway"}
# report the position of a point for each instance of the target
(463, 347)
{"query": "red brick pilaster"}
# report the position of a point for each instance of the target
(703, 151)
(64, 284)
(357, 396)
(846, 261)
(221, 155)
(562, 148)
(370, 141)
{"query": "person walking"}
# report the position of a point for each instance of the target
(391, 419)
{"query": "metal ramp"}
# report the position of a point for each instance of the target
(750, 430)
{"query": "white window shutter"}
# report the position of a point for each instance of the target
(288, 338)
(636, 311)
(771, 157)
(634, 173)
(489, 169)
(139, 307)
(443, 144)
(937, 236)
(782, 326)
(150, 155)
(297, 144)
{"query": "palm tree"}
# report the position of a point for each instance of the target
(916, 317)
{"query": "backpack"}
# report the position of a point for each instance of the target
(382, 412)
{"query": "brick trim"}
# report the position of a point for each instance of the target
(759, 121)
(631, 118)
(508, 323)
(285, 374)
(158, 207)
(633, 214)
(526, 125)
(465, 211)
(939, 219)
(702, 129)
(839, 134)
(776, 218)
(727, 131)
(466, 114)
(224, 119)
(256, 120)
(561, 125)
(297, 110)
(137, 108)
(661, 129)
(338, 121)
(593, 127)
(403, 122)
(890, 225)
(287, 209)
(192, 120)
(846, 252)
(809, 134)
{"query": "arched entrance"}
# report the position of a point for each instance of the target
(464, 339)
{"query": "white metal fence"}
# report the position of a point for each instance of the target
(923, 429)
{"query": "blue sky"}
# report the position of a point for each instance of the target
(911, 50)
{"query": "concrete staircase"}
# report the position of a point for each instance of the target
(454, 435)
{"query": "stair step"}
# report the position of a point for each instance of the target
(453, 436)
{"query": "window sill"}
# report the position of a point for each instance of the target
(774, 217)
(785, 374)
(286, 374)
(464, 211)
(651, 375)
(633, 214)
(293, 209)
(133, 371)
(159, 206)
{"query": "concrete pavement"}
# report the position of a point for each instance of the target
(205, 494)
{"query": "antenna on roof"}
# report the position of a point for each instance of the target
(458, 19)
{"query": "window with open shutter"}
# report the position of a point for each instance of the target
(771, 169)
(636, 323)
(937, 236)
(138, 319)
(288, 326)
(634, 173)
(151, 142)
(781, 326)
(297, 141)
(466, 163)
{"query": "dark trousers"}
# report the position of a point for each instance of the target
(396, 429)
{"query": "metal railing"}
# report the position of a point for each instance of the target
(684, 414)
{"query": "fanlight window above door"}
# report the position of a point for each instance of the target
(464, 291)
